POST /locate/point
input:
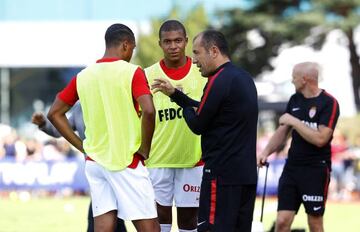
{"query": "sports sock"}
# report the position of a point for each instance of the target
(165, 227)
(194, 230)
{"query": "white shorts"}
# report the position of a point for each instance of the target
(181, 185)
(128, 191)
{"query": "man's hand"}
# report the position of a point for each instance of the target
(287, 119)
(261, 159)
(38, 119)
(162, 85)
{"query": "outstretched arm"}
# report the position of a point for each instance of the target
(275, 142)
(197, 115)
(183, 100)
(164, 86)
(215, 94)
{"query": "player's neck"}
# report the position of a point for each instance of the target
(112, 53)
(220, 61)
(312, 92)
(175, 64)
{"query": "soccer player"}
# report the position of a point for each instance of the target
(77, 123)
(226, 119)
(175, 164)
(311, 116)
(117, 140)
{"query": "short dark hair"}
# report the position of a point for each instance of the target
(214, 38)
(172, 25)
(118, 33)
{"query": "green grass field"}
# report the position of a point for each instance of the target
(70, 215)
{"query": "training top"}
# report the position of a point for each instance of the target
(313, 112)
(112, 132)
(227, 122)
(174, 145)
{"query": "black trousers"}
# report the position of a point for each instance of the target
(225, 207)
(119, 228)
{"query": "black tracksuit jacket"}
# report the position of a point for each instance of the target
(226, 119)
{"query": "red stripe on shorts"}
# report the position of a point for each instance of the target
(212, 202)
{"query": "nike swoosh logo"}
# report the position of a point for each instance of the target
(200, 223)
(317, 208)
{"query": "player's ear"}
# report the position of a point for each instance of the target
(214, 51)
(304, 79)
(125, 45)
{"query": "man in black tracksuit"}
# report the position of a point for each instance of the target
(226, 119)
(311, 116)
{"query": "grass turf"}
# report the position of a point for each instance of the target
(51, 214)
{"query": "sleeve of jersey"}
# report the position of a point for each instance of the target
(330, 114)
(210, 103)
(69, 94)
(183, 100)
(139, 84)
(288, 106)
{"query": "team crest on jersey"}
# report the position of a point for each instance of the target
(312, 111)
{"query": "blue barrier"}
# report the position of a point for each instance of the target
(56, 175)
(46, 175)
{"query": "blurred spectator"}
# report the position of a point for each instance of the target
(65, 148)
(355, 150)
(52, 151)
(9, 145)
(5, 131)
(342, 177)
(29, 148)
(33, 149)
(2, 150)
(20, 150)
